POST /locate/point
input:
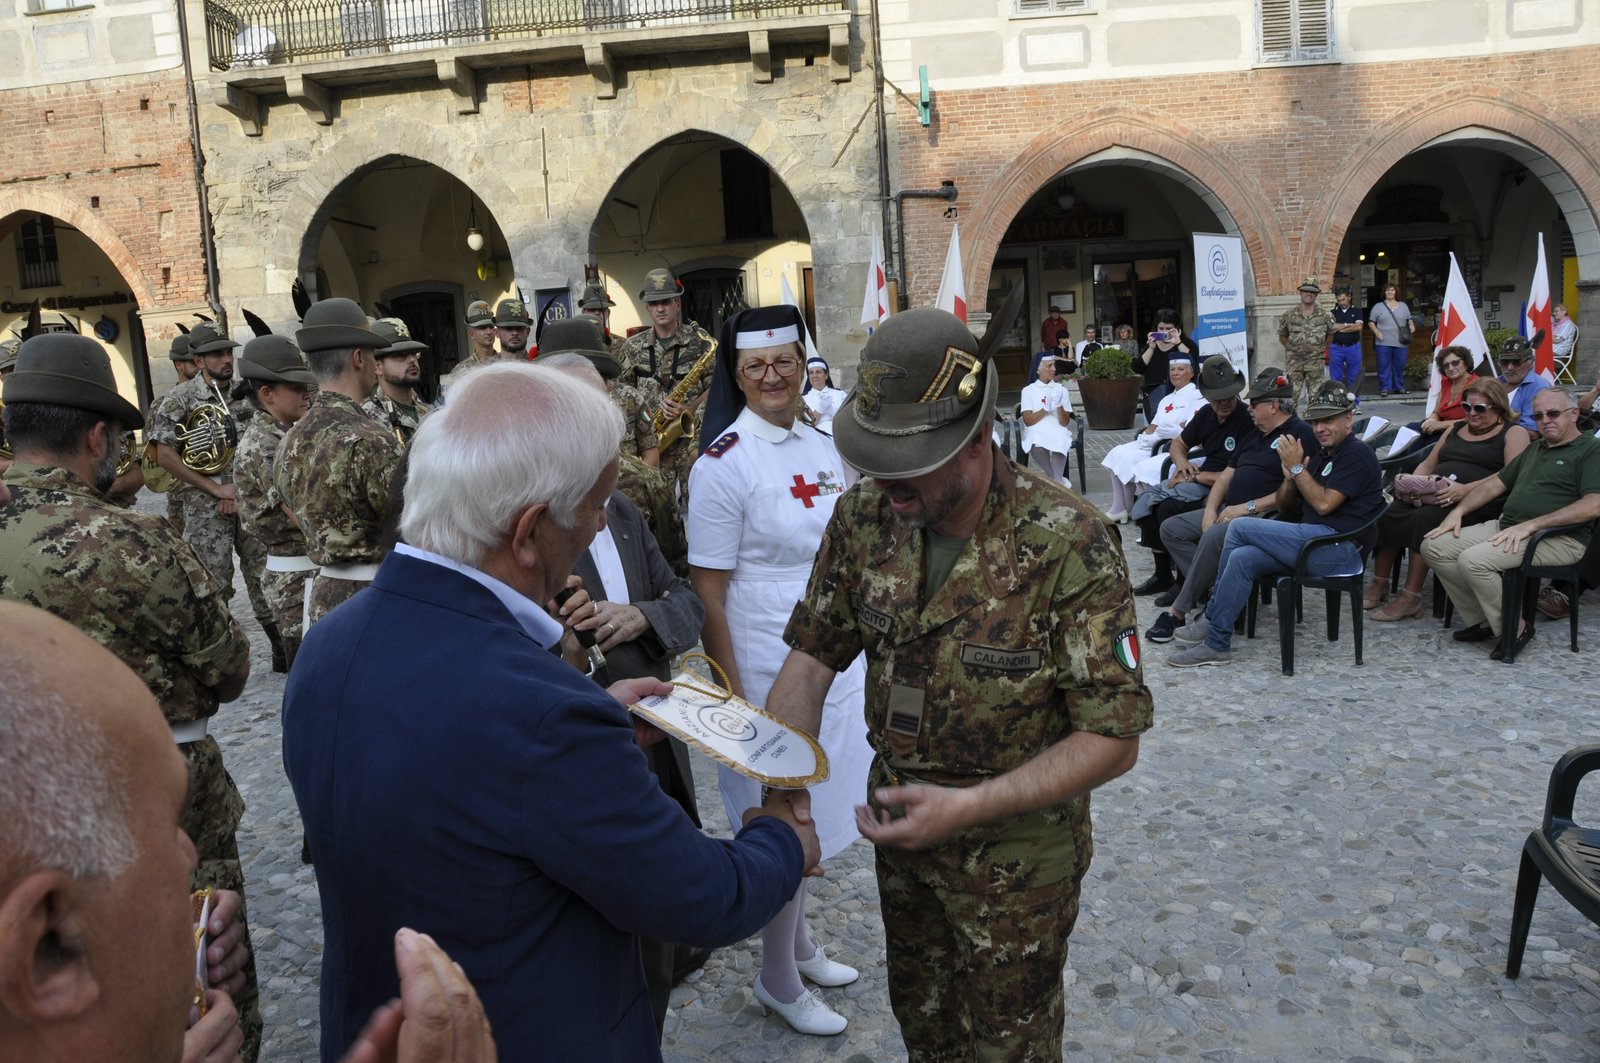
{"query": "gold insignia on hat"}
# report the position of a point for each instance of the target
(954, 358)
(869, 387)
(659, 283)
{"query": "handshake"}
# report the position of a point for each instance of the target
(794, 808)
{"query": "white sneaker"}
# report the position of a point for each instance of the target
(808, 1014)
(1117, 516)
(824, 971)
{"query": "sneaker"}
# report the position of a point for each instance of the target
(1194, 632)
(1554, 604)
(1162, 629)
(1170, 595)
(1198, 656)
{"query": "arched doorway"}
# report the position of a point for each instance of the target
(716, 215)
(394, 236)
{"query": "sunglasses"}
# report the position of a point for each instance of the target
(1452, 365)
(1512, 361)
(1548, 415)
(1476, 407)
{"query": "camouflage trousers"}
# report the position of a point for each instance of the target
(675, 463)
(285, 594)
(175, 511)
(647, 489)
(211, 819)
(327, 592)
(1306, 371)
(215, 539)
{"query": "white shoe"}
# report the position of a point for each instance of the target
(824, 971)
(808, 1014)
(1117, 516)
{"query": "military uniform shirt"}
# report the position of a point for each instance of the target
(393, 415)
(255, 493)
(333, 471)
(1308, 336)
(638, 403)
(181, 401)
(668, 361)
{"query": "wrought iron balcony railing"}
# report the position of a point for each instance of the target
(254, 33)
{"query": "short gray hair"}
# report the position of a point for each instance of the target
(330, 365)
(512, 435)
(63, 792)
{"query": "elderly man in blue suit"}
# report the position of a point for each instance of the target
(458, 777)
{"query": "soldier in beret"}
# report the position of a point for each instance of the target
(210, 517)
(666, 353)
(1304, 331)
(334, 465)
(996, 616)
(125, 579)
(394, 403)
(281, 387)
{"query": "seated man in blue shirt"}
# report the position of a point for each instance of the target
(1522, 383)
(1338, 489)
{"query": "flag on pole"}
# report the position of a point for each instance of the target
(789, 300)
(875, 300)
(1458, 326)
(1537, 316)
(953, 285)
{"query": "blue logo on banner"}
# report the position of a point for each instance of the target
(1221, 323)
(1219, 264)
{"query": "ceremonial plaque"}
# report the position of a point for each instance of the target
(734, 732)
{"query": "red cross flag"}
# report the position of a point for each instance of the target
(1458, 324)
(1537, 317)
(953, 284)
(875, 300)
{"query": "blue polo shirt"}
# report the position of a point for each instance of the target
(1257, 472)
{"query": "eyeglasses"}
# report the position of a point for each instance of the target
(1512, 361)
(785, 368)
(1476, 407)
(1452, 364)
(1548, 415)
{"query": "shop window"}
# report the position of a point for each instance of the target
(37, 262)
(1294, 31)
(746, 196)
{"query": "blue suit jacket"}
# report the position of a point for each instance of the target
(457, 778)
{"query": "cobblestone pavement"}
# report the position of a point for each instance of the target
(1310, 868)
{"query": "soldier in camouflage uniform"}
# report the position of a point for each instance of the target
(666, 353)
(1003, 686)
(1304, 331)
(183, 364)
(210, 517)
(126, 580)
(596, 303)
(334, 466)
(282, 394)
(394, 403)
(481, 337)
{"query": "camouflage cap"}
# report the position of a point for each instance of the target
(180, 351)
(1516, 347)
(1271, 383)
(1219, 379)
(1310, 284)
(478, 313)
(595, 297)
(399, 336)
(205, 338)
(8, 352)
(659, 286)
(1329, 400)
(920, 395)
(336, 323)
(511, 313)
(579, 335)
(66, 369)
(274, 360)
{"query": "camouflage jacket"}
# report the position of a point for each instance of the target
(638, 403)
(123, 578)
(643, 358)
(256, 494)
(178, 403)
(402, 420)
(332, 471)
(1308, 336)
(651, 494)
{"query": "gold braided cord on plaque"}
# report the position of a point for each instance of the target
(722, 693)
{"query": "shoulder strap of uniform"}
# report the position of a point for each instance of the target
(723, 445)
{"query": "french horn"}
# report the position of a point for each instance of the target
(207, 437)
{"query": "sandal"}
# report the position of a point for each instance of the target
(1407, 605)
(1377, 594)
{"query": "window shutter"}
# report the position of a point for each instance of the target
(1314, 32)
(1277, 31)
(1048, 7)
(1295, 30)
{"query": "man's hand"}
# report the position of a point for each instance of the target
(226, 953)
(1290, 452)
(630, 691)
(1452, 493)
(672, 410)
(216, 1038)
(1451, 525)
(1232, 513)
(930, 815)
(438, 1018)
(614, 623)
(794, 808)
(1182, 472)
(1207, 519)
(1511, 540)
(222, 492)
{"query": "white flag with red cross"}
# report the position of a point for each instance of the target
(953, 285)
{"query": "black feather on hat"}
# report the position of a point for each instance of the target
(726, 400)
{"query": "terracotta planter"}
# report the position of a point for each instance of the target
(1110, 405)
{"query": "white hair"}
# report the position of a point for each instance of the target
(512, 435)
(63, 793)
(575, 365)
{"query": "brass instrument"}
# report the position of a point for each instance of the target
(669, 431)
(5, 446)
(130, 453)
(207, 436)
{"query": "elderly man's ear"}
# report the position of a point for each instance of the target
(531, 523)
(45, 973)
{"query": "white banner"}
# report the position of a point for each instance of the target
(1219, 298)
(733, 732)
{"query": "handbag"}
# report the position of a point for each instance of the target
(1420, 490)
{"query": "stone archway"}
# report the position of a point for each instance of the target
(16, 201)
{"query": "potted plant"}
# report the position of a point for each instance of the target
(1110, 389)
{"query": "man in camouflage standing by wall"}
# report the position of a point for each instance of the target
(334, 466)
(126, 580)
(1304, 331)
(1003, 686)
(210, 517)
(282, 387)
(183, 364)
(666, 353)
(394, 403)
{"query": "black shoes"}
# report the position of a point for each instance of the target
(1517, 646)
(1154, 585)
(1162, 630)
(1170, 595)
(1479, 632)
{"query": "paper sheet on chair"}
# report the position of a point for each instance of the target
(736, 733)
(1402, 440)
(1375, 425)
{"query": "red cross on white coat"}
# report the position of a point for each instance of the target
(805, 492)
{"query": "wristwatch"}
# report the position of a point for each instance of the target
(1250, 506)
(1296, 470)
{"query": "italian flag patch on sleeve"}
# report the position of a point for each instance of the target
(1127, 648)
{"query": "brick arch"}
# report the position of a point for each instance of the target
(1563, 156)
(43, 201)
(1105, 135)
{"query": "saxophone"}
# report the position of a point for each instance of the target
(669, 431)
(208, 435)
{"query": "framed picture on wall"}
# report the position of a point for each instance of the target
(1065, 302)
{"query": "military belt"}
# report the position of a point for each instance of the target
(286, 563)
(355, 573)
(193, 731)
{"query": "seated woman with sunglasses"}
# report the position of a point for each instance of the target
(1470, 450)
(1455, 376)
